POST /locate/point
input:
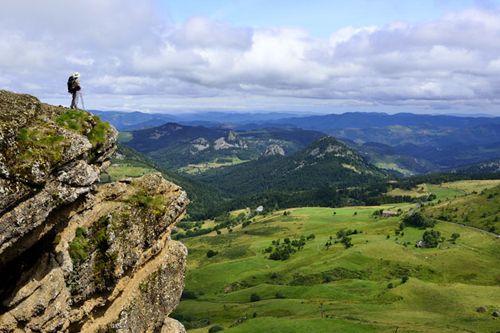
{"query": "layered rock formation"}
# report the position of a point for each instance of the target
(76, 257)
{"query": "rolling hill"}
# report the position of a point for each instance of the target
(194, 149)
(325, 163)
(479, 209)
(381, 282)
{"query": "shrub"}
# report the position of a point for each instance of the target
(254, 297)
(187, 294)
(279, 295)
(98, 133)
(215, 329)
(79, 246)
(211, 253)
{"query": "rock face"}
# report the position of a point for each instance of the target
(76, 257)
(274, 150)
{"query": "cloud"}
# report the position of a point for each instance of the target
(123, 49)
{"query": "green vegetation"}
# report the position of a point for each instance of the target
(124, 137)
(95, 241)
(379, 284)
(283, 250)
(196, 149)
(479, 209)
(75, 120)
(80, 246)
(431, 238)
(152, 203)
(126, 170)
(255, 183)
(416, 220)
(86, 124)
(322, 165)
(205, 200)
(215, 329)
(98, 133)
(40, 144)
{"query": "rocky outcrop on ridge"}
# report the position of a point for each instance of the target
(74, 256)
(274, 150)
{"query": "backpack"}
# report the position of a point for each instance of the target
(70, 84)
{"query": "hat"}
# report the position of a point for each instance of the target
(76, 74)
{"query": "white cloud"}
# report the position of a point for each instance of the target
(123, 49)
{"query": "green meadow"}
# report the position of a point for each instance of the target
(383, 283)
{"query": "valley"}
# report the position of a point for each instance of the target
(295, 231)
(382, 283)
(250, 166)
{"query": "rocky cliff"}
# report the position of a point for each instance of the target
(74, 256)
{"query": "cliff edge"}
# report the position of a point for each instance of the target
(74, 256)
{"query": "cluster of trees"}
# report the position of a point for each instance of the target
(282, 250)
(416, 220)
(223, 221)
(343, 238)
(431, 238)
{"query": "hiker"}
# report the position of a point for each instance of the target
(74, 88)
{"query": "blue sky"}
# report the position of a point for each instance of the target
(426, 56)
(318, 17)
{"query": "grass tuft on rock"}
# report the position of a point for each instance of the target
(86, 124)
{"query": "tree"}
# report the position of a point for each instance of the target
(346, 241)
(431, 238)
(417, 220)
(341, 233)
(455, 236)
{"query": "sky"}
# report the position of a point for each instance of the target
(315, 56)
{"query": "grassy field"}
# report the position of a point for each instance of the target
(476, 209)
(446, 190)
(202, 167)
(360, 289)
(125, 137)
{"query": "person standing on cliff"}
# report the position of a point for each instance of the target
(74, 88)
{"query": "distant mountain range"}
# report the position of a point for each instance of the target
(130, 121)
(403, 143)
